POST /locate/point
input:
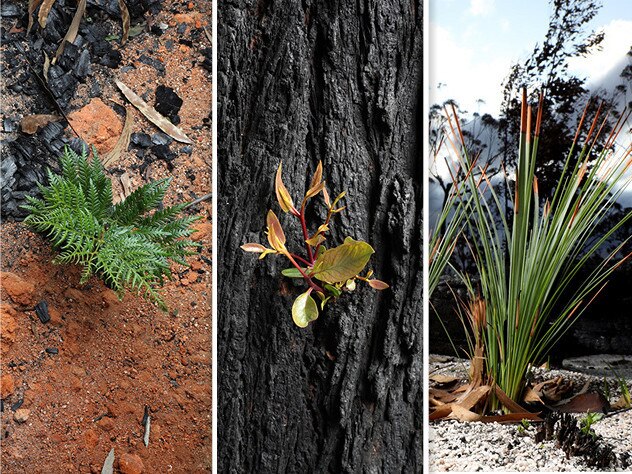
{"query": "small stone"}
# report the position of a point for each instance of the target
(202, 231)
(91, 439)
(7, 386)
(131, 464)
(21, 415)
(98, 125)
(52, 350)
(106, 423)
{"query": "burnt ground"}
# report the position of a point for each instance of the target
(79, 385)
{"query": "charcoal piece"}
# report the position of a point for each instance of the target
(208, 59)
(163, 152)
(169, 45)
(9, 125)
(186, 42)
(106, 55)
(187, 149)
(111, 7)
(159, 28)
(41, 309)
(95, 89)
(182, 28)
(52, 350)
(9, 10)
(17, 404)
(141, 139)
(168, 103)
(160, 138)
(157, 65)
(127, 68)
(82, 66)
(78, 145)
(69, 57)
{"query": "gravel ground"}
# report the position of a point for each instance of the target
(457, 446)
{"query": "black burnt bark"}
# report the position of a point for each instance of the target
(338, 82)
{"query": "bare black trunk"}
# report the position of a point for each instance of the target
(338, 82)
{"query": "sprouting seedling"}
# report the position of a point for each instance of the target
(327, 271)
(525, 424)
(587, 421)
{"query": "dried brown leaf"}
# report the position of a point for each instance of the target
(152, 115)
(443, 379)
(477, 367)
(125, 20)
(511, 418)
(476, 395)
(44, 11)
(507, 402)
(127, 184)
(46, 66)
(71, 35)
(33, 4)
(531, 396)
(441, 412)
(583, 402)
(122, 143)
(442, 395)
(621, 403)
(463, 414)
(32, 123)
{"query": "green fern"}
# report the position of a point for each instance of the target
(126, 244)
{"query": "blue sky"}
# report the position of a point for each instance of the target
(473, 43)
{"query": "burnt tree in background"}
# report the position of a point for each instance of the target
(338, 82)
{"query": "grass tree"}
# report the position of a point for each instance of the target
(531, 287)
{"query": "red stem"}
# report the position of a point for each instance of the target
(301, 216)
(298, 257)
(304, 275)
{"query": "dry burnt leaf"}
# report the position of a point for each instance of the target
(622, 403)
(531, 396)
(557, 389)
(44, 11)
(442, 396)
(441, 412)
(126, 183)
(122, 143)
(71, 35)
(33, 4)
(443, 380)
(476, 395)
(583, 402)
(152, 115)
(477, 367)
(108, 465)
(511, 417)
(463, 414)
(46, 66)
(507, 402)
(32, 123)
(125, 20)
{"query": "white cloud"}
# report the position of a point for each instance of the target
(616, 43)
(481, 7)
(466, 75)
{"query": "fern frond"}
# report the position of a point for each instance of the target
(127, 244)
(141, 201)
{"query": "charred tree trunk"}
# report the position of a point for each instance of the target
(338, 82)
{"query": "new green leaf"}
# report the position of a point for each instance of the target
(304, 310)
(343, 262)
